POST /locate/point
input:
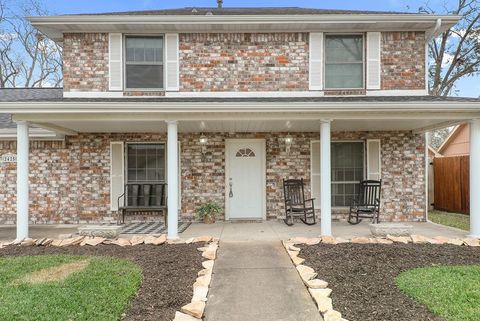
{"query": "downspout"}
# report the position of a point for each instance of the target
(438, 25)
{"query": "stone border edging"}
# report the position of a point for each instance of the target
(319, 290)
(195, 309)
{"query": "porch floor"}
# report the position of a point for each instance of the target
(262, 231)
(277, 230)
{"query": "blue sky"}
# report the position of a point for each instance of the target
(467, 87)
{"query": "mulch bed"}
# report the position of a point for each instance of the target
(168, 273)
(362, 276)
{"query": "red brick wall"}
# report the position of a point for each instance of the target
(403, 60)
(70, 182)
(244, 62)
(85, 62)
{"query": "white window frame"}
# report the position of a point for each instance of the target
(125, 164)
(364, 141)
(124, 62)
(325, 35)
(144, 143)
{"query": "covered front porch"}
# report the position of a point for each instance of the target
(272, 230)
(289, 130)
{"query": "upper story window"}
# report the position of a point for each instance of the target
(144, 62)
(344, 62)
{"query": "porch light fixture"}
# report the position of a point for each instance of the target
(203, 142)
(288, 142)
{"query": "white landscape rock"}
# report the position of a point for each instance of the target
(471, 242)
(208, 264)
(317, 293)
(180, 316)
(122, 242)
(332, 315)
(210, 254)
(455, 241)
(297, 260)
(94, 241)
(137, 240)
(200, 293)
(195, 309)
(306, 273)
(317, 284)
(399, 239)
(160, 240)
(324, 303)
(361, 240)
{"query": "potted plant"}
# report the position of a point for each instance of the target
(207, 212)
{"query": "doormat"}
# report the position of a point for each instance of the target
(151, 228)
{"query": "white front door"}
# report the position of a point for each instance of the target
(245, 178)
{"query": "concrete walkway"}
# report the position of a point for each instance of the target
(257, 281)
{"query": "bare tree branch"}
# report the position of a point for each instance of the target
(456, 53)
(27, 58)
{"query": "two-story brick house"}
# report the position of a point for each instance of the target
(223, 104)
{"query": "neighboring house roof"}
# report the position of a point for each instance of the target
(246, 11)
(457, 142)
(432, 152)
(8, 128)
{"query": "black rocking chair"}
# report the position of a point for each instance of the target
(367, 203)
(295, 203)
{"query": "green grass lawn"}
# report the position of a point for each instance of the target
(100, 291)
(449, 292)
(457, 220)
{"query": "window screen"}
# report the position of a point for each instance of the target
(344, 62)
(347, 165)
(145, 163)
(144, 62)
(347, 171)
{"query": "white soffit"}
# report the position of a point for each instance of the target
(243, 126)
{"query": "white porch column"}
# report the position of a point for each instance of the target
(475, 178)
(22, 179)
(172, 177)
(325, 178)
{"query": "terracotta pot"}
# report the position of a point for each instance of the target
(208, 219)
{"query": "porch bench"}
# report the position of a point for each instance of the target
(141, 198)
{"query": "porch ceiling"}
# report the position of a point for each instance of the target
(250, 125)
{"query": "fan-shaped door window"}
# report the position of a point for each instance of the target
(245, 152)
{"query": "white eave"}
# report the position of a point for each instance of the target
(126, 107)
(55, 26)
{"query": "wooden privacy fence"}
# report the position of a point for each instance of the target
(452, 184)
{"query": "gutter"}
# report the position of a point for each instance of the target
(240, 107)
(126, 19)
(435, 31)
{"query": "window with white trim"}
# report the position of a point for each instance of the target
(144, 62)
(347, 170)
(344, 62)
(145, 162)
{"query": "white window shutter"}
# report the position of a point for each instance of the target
(374, 159)
(172, 62)
(117, 170)
(115, 54)
(316, 61)
(374, 40)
